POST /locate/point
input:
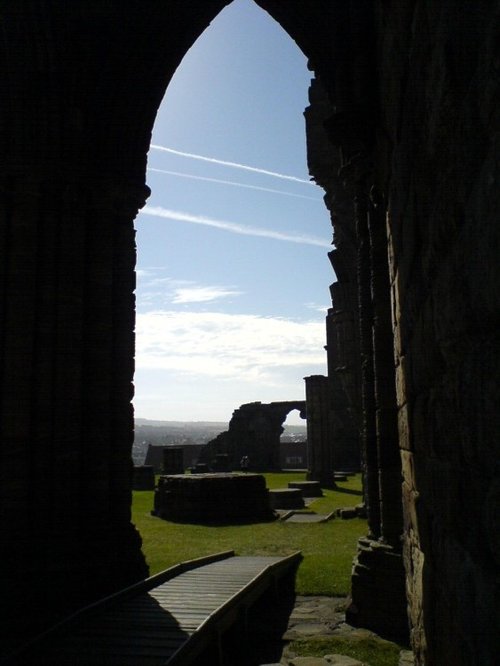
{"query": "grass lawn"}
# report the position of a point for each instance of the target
(373, 651)
(328, 548)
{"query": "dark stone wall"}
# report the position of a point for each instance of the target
(80, 84)
(342, 329)
(154, 456)
(362, 411)
(424, 197)
(438, 168)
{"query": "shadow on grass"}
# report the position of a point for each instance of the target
(348, 491)
(266, 622)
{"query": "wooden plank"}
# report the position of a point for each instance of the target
(170, 621)
(134, 590)
(219, 618)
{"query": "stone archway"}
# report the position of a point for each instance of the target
(80, 85)
(254, 431)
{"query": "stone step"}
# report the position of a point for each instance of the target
(308, 488)
(286, 498)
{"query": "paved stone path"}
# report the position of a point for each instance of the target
(273, 629)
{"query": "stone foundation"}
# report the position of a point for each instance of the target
(308, 488)
(378, 601)
(212, 498)
(286, 498)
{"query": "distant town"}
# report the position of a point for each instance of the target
(186, 433)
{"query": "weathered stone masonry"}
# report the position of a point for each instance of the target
(360, 355)
(254, 431)
(410, 168)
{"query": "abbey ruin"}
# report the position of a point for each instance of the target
(403, 134)
(254, 431)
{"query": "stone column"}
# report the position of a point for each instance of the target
(365, 305)
(343, 374)
(320, 451)
(68, 258)
(364, 360)
(388, 455)
(378, 599)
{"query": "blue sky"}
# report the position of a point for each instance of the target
(232, 266)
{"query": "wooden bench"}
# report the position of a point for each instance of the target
(170, 618)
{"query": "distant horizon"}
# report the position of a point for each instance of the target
(142, 418)
(215, 422)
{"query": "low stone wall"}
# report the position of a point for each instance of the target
(286, 498)
(308, 488)
(212, 498)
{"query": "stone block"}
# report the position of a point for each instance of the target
(361, 510)
(308, 488)
(378, 600)
(308, 661)
(220, 498)
(403, 428)
(348, 513)
(342, 660)
(401, 381)
(406, 658)
(286, 498)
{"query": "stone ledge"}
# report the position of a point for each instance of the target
(286, 498)
(308, 488)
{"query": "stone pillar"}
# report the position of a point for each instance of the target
(378, 599)
(359, 345)
(369, 432)
(68, 257)
(319, 431)
(343, 325)
(388, 455)
(343, 374)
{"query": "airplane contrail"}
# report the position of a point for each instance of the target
(235, 184)
(233, 227)
(234, 165)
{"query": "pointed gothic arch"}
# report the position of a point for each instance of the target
(80, 84)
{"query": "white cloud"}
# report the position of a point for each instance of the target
(167, 290)
(233, 184)
(239, 348)
(318, 308)
(198, 294)
(234, 165)
(233, 227)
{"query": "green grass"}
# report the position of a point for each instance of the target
(327, 548)
(281, 479)
(373, 651)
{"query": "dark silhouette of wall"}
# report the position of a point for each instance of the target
(410, 171)
(154, 455)
(254, 431)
